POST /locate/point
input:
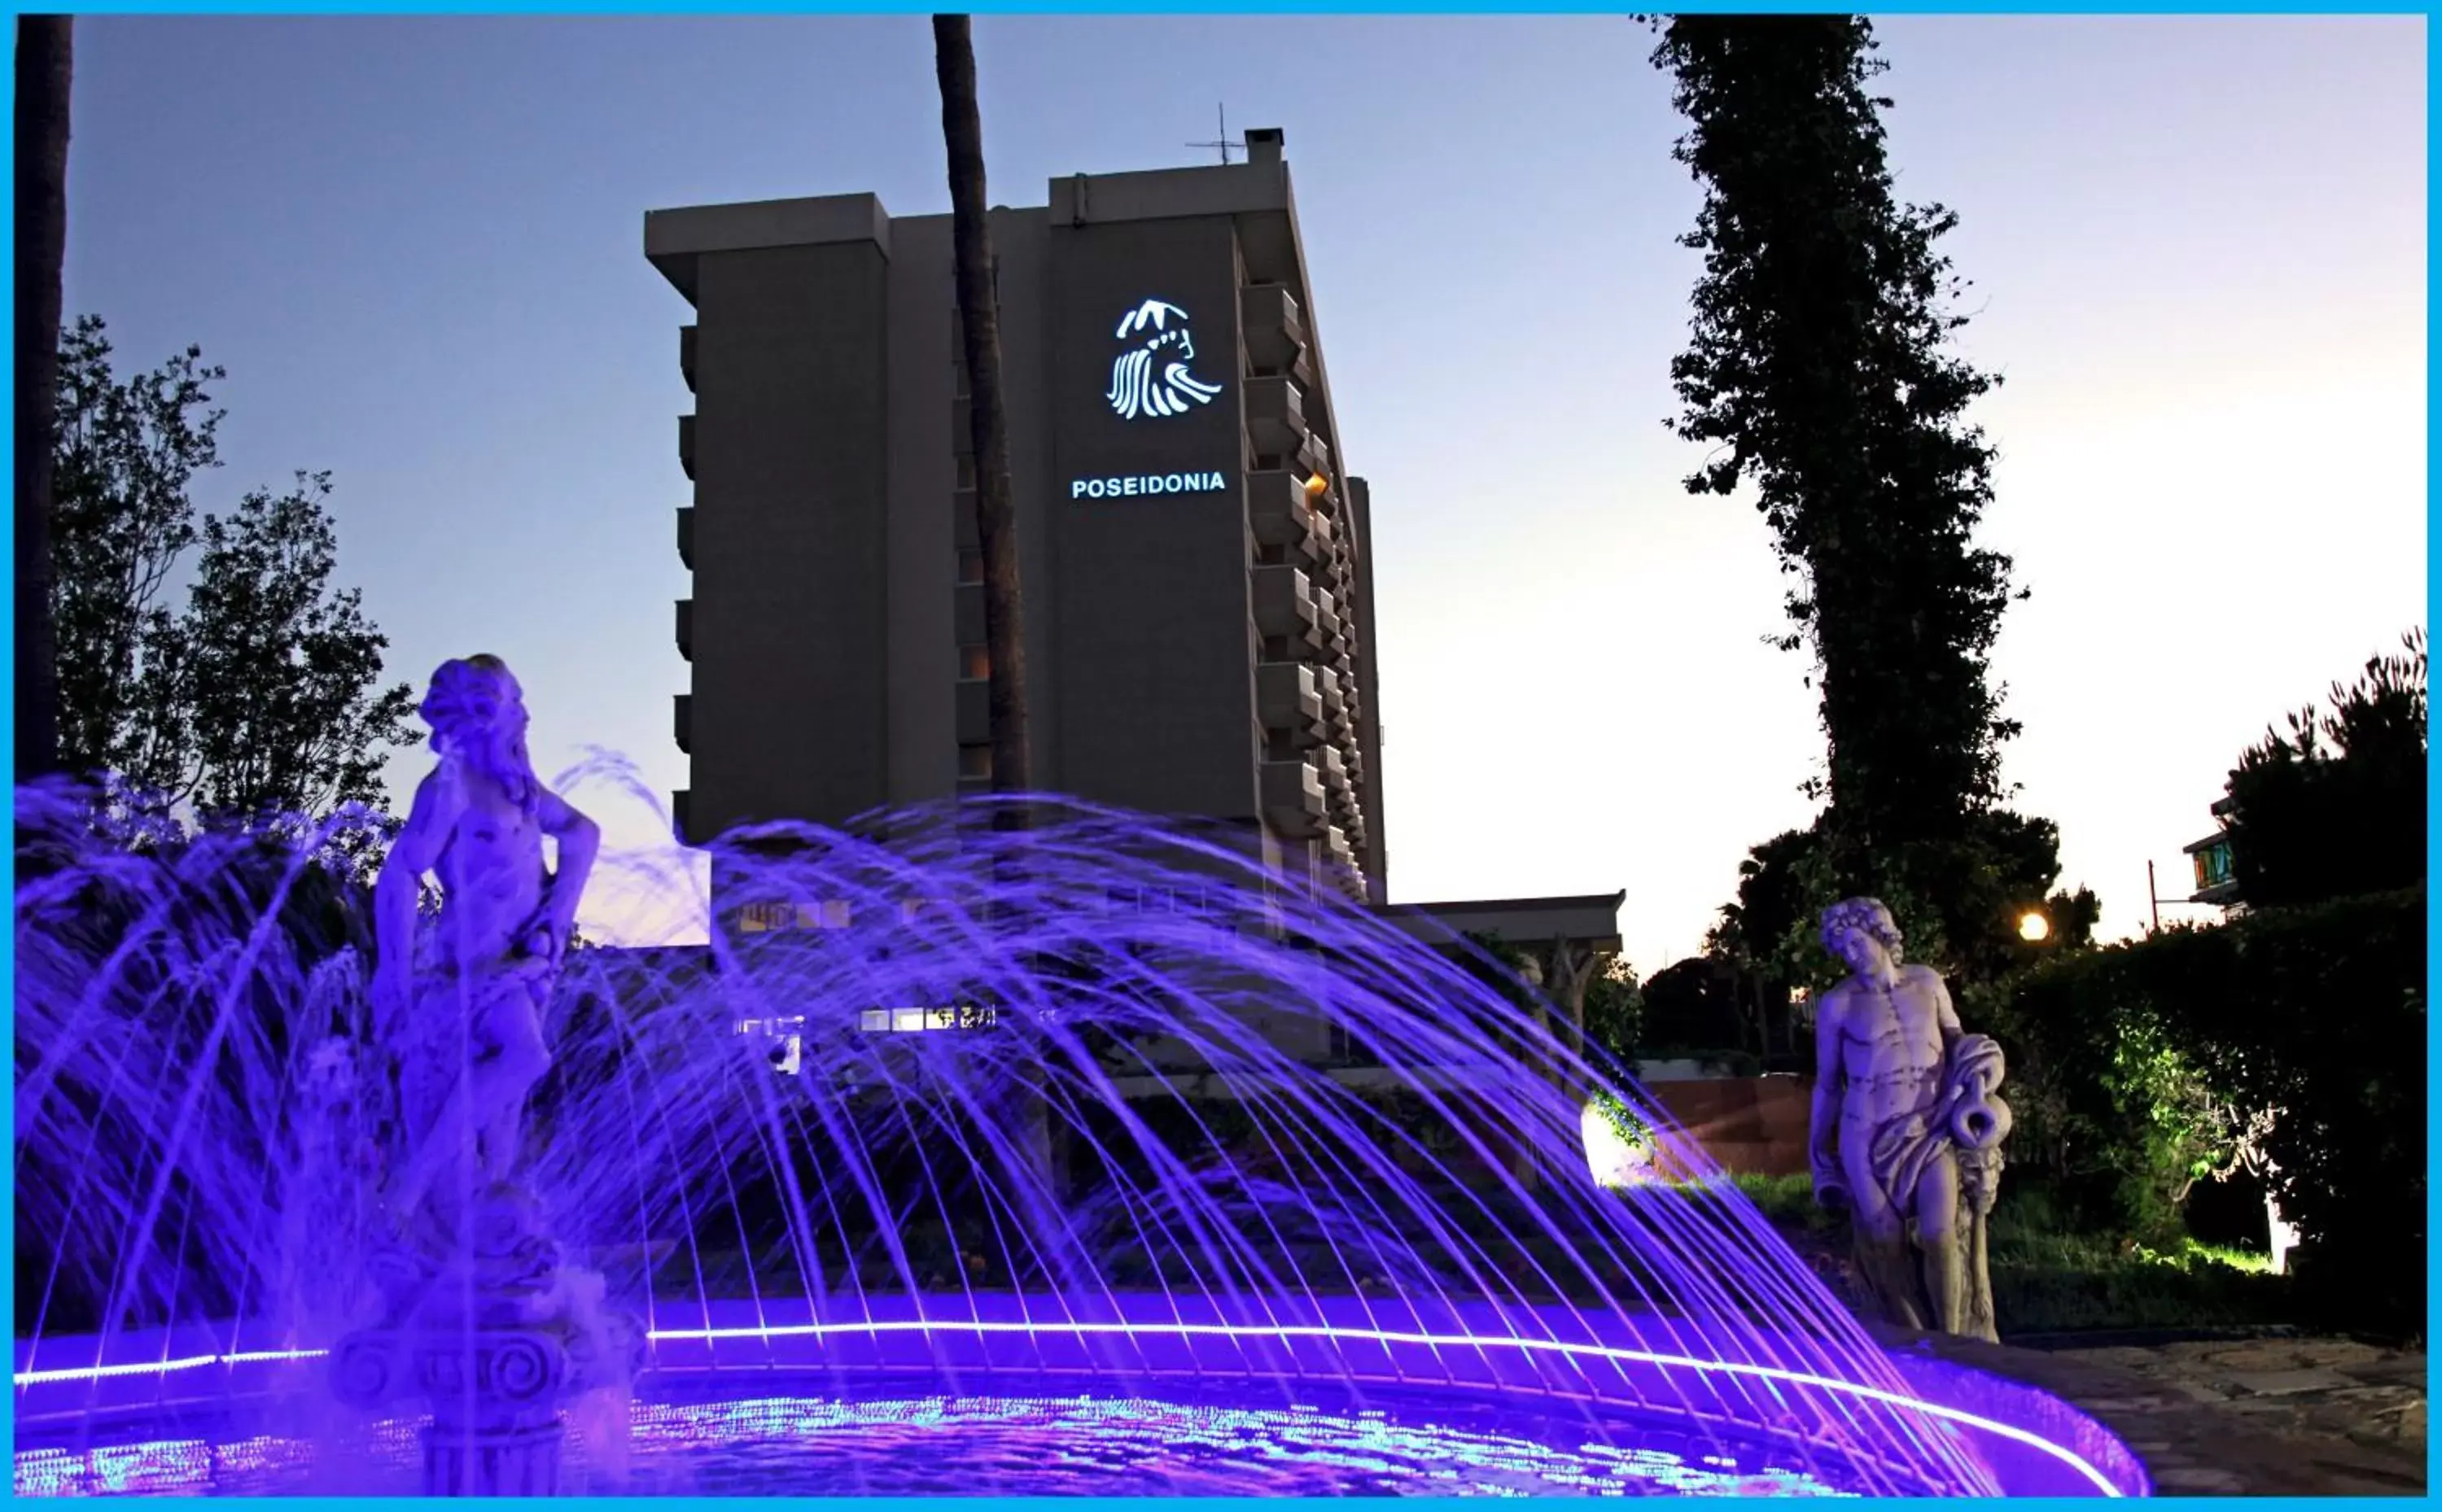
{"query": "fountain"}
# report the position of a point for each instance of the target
(961, 1158)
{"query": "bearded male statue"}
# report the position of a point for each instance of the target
(1905, 1132)
(467, 1026)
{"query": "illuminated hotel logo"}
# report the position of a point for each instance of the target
(1152, 378)
(1166, 482)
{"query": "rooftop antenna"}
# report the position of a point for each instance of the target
(1225, 144)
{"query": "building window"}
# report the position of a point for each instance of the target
(971, 566)
(975, 763)
(975, 664)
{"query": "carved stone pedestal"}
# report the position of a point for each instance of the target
(494, 1395)
(490, 1339)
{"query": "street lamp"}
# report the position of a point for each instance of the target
(2033, 927)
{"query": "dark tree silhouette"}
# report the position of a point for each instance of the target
(2336, 806)
(1819, 370)
(46, 68)
(962, 131)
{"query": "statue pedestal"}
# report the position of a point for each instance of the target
(490, 1339)
(494, 1396)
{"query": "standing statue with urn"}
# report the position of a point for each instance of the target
(482, 1317)
(1906, 1131)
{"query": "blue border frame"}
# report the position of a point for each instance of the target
(7, 709)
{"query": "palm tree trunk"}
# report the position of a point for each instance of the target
(970, 254)
(45, 68)
(979, 315)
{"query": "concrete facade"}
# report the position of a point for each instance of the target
(1194, 559)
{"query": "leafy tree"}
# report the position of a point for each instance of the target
(127, 454)
(1615, 1010)
(1819, 370)
(262, 694)
(1698, 1007)
(2336, 808)
(1959, 902)
(274, 671)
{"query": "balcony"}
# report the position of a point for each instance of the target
(1314, 455)
(687, 445)
(1287, 699)
(967, 613)
(1334, 698)
(1276, 415)
(965, 529)
(1293, 799)
(1283, 602)
(682, 721)
(1327, 615)
(687, 355)
(973, 702)
(680, 800)
(1274, 324)
(685, 628)
(1281, 514)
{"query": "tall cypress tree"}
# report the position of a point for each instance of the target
(1820, 372)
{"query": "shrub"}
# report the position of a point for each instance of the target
(2145, 1066)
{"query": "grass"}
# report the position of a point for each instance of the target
(2048, 1282)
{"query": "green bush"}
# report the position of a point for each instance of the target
(2137, 1067)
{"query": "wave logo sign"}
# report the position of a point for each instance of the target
(1151, 376)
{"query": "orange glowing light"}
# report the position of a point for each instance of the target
(1318, 485)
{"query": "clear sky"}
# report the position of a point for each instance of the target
(2200, 242)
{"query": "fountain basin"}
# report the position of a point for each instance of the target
(1121, 1394)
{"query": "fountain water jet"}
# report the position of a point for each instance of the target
(1095, 1108)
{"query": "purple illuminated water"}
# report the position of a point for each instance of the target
(1055, 1441)
(1102, 1100)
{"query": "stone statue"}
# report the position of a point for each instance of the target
(469, 1028)
(483, 1316)
(1905, 1132)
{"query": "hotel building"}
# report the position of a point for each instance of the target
(1194, 555)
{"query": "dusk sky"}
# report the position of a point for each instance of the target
(2198, 247)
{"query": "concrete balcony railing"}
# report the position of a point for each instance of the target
(1281, 512)
(1276, 416)
(966, 530)
(687, 445)
(1293, 798)
(680, 800)
(971, 711)
(682, 721)
(1327, 615)
(1287, 700)
(1314, 455)
(686, 536)
(687, 355)
(1335, 695)
(685, 628)
(1274, 324)
(1283, 602)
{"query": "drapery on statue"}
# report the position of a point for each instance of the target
(467, 1029)
(1905, 1132)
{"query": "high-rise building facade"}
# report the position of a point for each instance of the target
(1194, 559)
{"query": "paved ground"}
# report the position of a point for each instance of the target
(2242, 1417)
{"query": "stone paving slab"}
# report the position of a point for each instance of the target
(2244, 1417)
